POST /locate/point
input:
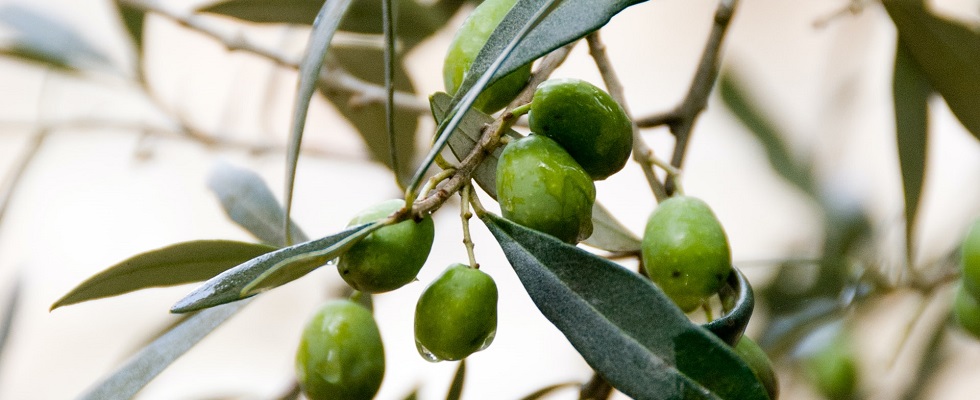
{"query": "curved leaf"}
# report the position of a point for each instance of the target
(39, 38)
(172, 265)
(456, 388)
(145, 365)
(911, 93)
(731, 326)
(616, 318)
(607, 233)
(271, 270)
(947, 52)
(250, 203)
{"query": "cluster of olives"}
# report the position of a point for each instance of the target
(966, 307)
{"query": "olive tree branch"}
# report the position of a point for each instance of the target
(330, 76)
(681, 120)
(642, 153)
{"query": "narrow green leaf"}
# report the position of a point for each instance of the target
(615, 318)
(731, 326)
(139, 370)
(250, 203)
(737, 100)
(271, 270)
(540, 393)
(387, 15)
(607, 233)
(911, 93)
(39, 38)
(456, 388)
(133, 20)
(324, 27)
(11, 305)
(947, 52)
(267, 11)
(176, 264)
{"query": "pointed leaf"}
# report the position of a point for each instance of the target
(250, 203)
(133, 20)
(911, 93)
(616, 318)
(947, 52)
(271, 270)
(11, 305)
(324, 27)
(456, 388)
(40, 38)
(607, 233)
(132, 376)
(750, 114)
(540, 393)
(176, 264)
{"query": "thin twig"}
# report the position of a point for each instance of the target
(642, 153)
(333, 77)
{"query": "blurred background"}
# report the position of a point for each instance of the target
(100, 162)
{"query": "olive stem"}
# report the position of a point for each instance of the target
(642, 153)
(464, 216)
(332, 76)
(707, 311)
(521, 110)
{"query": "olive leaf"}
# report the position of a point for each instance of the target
(271, 269)
(615, 318)
(250, 203)
(176, 264)
(456, 387)
(133, 20)
(145, 365)
(547, 390)
(948, 54)
(607, 233)
(40, 38)
(910, 93)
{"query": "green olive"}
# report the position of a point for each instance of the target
(340, 355)
(456, 314)
(586, 121)
(970, 259)
(760, 364)
(966, 309)
(541, 187)
(832, 369)
(389, 257)
(468, 42)
(685, 251)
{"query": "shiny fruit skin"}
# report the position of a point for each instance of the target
(340, 355)
(586, 121)
(389, 257)
(966, 309)
(456, 315)
(541, 187)
(759, 362)
(970, 259)
(685, 251)
(468, 42)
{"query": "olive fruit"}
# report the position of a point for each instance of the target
(685, 251)
(966, 309)
(456, 314)
(389, 257)
(970, 259)
(759, 363)
(541, 187)
(468, 42)
(832, 368)
(340, 355)
(586, 121)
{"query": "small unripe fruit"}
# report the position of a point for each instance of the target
(541, 187)
(340, 355)
(586, 121)
(759, 363)
(966, 309)
(389, 257)
(456, 314)
(970, 259)
(832, 369)
(466, 45)
(685, 251)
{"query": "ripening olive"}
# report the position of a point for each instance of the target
(340, 355)
(970, 259)
(966, 309)
(541, 187)
(685, 251)
(832, 368)
(759, 363)
(389, 257)
(586, 121)
(456, 314)
(468, 42)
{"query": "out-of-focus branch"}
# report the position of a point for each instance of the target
(681, 120)
(642, 153)
(332, 76)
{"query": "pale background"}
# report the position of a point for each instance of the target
(96, 196)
